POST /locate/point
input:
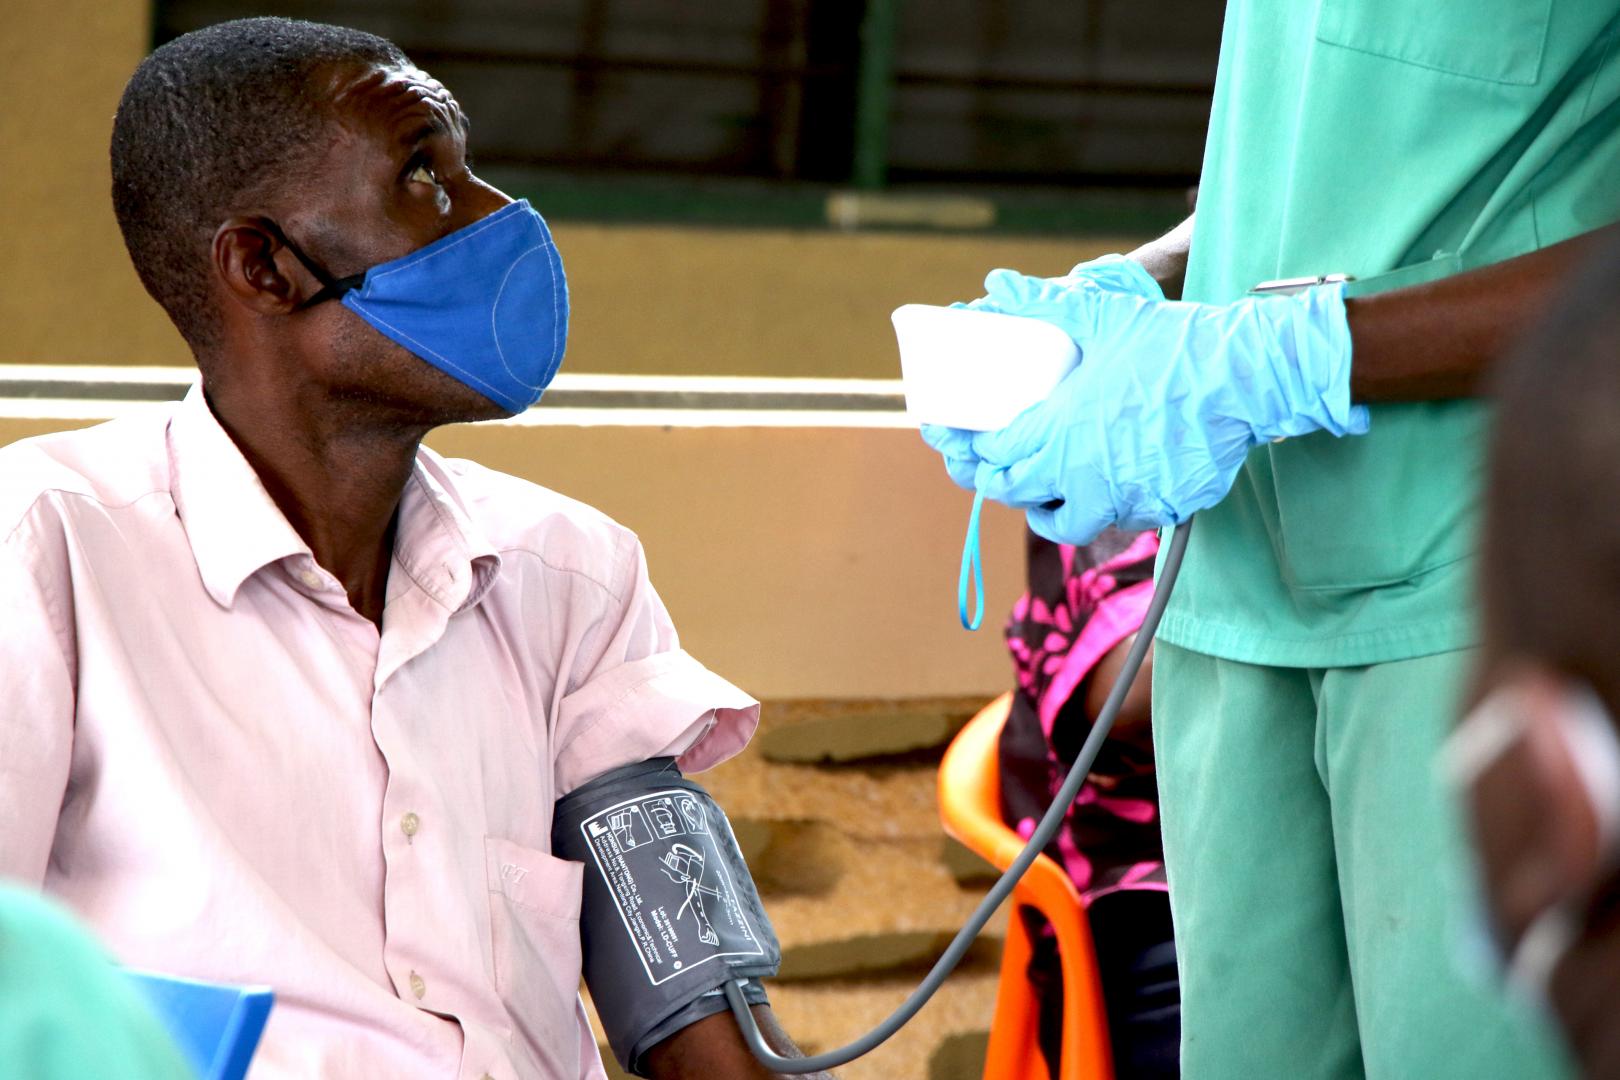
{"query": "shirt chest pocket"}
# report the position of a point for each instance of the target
(534, 903)
(1499, 41)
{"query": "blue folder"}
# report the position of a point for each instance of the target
(217, 1027)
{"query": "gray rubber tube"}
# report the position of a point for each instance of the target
(1003, 888)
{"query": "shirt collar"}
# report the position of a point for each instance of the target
(437, 542)
(236, 529)
(234, 526)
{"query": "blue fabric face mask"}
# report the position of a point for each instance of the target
(487, 304)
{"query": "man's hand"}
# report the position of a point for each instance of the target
(713, 1049)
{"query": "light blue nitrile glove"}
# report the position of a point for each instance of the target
(1167, 401)
(1113, 272)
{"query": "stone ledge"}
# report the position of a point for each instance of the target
(967, 866)
(865, 804)
(793, 858)
(867, 954)
(830, 1013)
(960, 1056)
(892, 888)
(811, 732)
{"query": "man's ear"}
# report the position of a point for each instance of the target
(257, 269)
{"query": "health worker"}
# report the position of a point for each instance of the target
(1456, 160)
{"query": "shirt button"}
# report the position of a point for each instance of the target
(418, 985)
(409, 824)
(310, 578)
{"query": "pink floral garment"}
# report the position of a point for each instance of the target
(1081, 603)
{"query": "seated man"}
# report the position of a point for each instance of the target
(1539, 756)
(1069, 635)
(290, 698)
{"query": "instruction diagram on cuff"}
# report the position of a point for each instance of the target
(671, 881)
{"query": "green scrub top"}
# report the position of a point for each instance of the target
(1362, 137)
(65, 1012)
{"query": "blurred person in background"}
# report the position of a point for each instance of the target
(1457, 160)
(289, 699)
(1538, 757)
(1068, 635)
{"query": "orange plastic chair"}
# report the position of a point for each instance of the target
(970, 807)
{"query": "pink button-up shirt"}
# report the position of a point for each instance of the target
(231, 775)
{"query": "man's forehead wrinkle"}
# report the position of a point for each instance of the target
(399, 96)
(413, 108)
(348, 83)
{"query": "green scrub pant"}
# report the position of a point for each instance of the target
(1318, 877)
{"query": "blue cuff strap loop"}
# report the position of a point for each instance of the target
(971, 562)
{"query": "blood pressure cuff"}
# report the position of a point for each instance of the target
(669, 913)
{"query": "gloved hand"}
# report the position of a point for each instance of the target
(1166, 403)
(1113, 272)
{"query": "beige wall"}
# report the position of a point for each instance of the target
(675, 300)
(67, 293)
(646, 299)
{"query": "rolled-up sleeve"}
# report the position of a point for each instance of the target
(641, 695)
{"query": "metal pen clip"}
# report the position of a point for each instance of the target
(1285, 286)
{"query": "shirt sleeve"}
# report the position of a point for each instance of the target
(640, 695)
(36, 720)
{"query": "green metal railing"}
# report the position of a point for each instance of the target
(874, 93)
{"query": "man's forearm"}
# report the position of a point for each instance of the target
(1436, 340)
(1431, 341)
(1166, 258)
(713, 1048)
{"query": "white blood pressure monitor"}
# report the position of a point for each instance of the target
(977, 369)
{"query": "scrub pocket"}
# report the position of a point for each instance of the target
(534, 934)
(1498, 41)
(1382, 508)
